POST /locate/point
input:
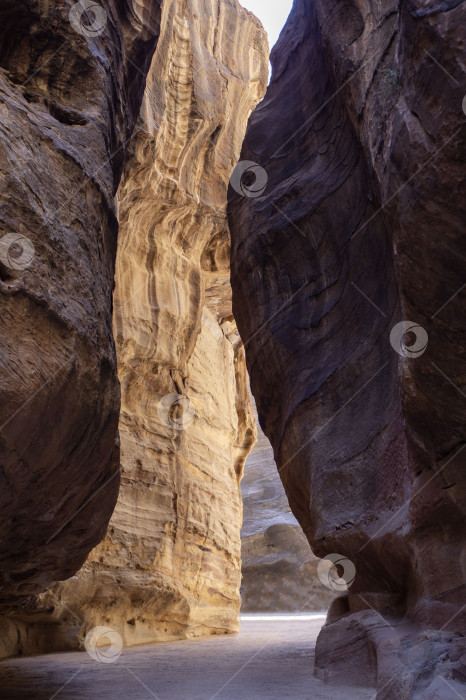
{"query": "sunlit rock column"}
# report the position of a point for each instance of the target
(170, 564)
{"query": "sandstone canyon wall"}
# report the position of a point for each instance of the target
(279, 570)
(170, 563)
(186, 423)
(69, 99)
(351, 222)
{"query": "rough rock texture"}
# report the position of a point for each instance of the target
(170, 564)
(279, 571)
(174, 537)
(364, 112)
(68, 105)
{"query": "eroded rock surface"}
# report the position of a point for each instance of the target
(174, 541)
(68, 104)
(360, 227)
(170, 564)
(279, 570)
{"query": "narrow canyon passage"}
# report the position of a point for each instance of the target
(278, 569)
(227, 299)
(268, 660)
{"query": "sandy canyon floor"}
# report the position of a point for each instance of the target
(272, 658)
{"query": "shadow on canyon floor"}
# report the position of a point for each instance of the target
(269, 659)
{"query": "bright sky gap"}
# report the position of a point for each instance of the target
(272, 13)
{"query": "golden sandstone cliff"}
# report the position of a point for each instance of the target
(170, 564)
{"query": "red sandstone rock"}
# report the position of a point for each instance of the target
(359, 227)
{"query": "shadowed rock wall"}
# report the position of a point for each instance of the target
(354, 225)
(69, 98)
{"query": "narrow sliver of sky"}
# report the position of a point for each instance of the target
(272, 14)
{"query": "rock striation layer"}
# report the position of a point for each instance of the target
(170, 563)
(279, 570)
(186, 426)
(355, 225)
(69, 99)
